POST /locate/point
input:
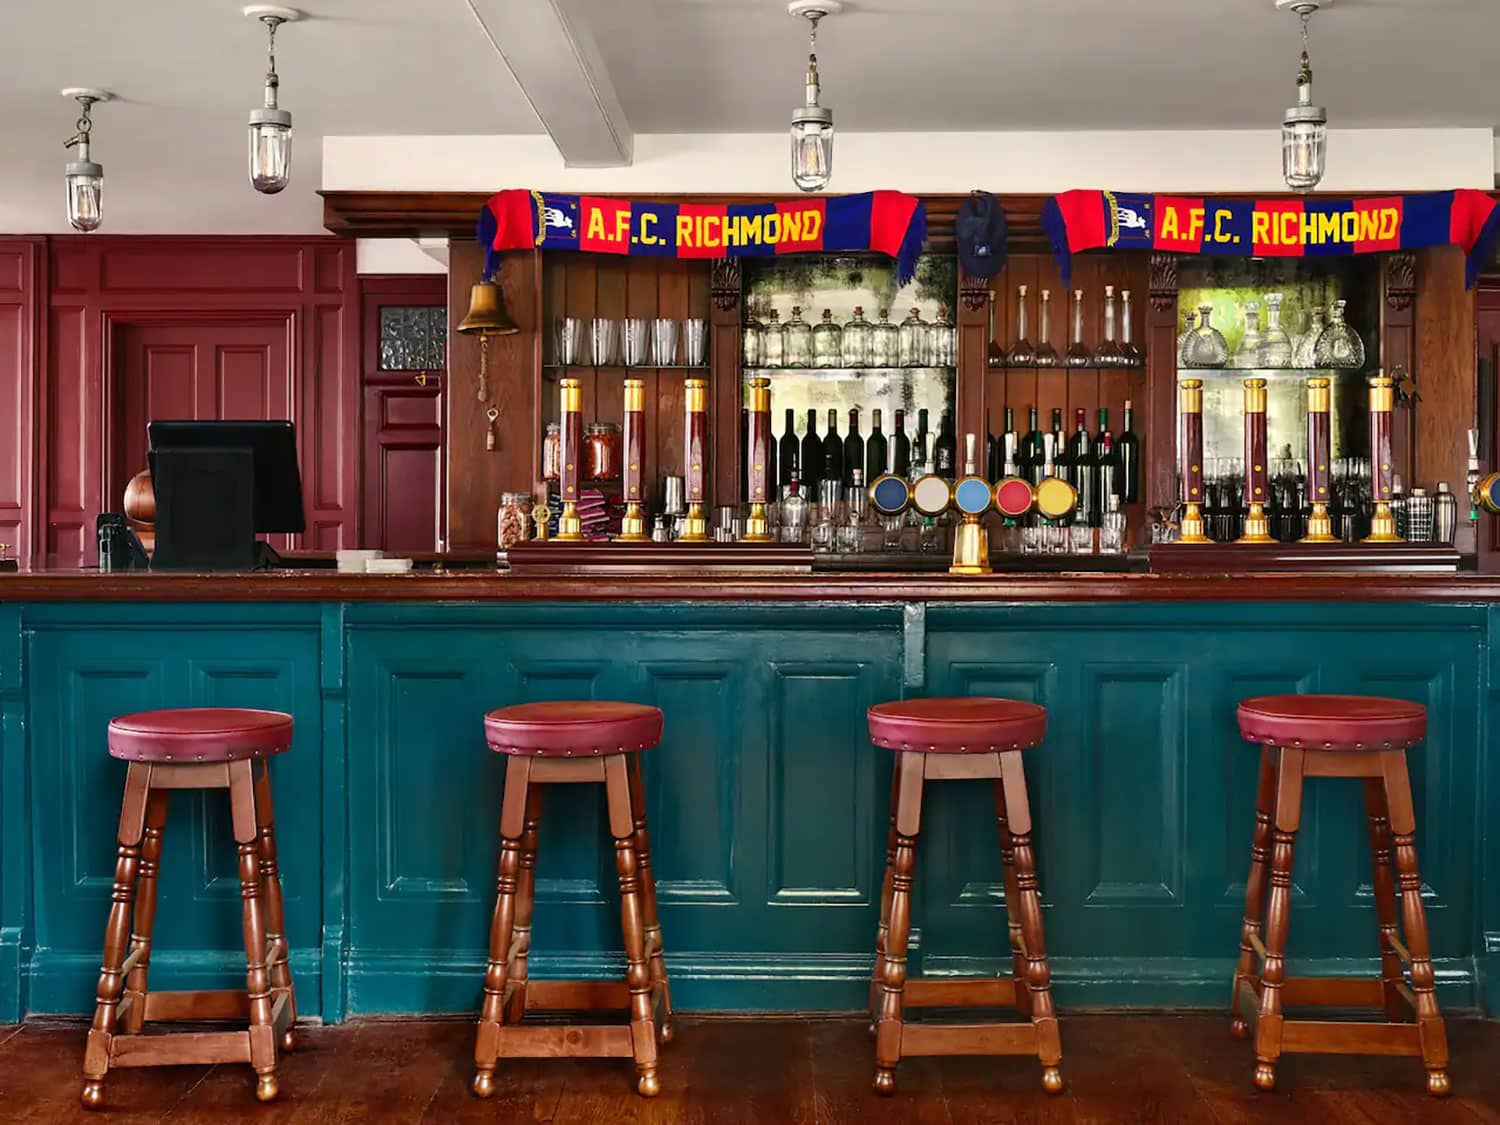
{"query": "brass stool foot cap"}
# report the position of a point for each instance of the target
(885, 1082)
(1052, 1080)
(1437, 1083)
(288, 1040)
(664, 1036)
(649, 1085)
(483, 1084)
(266, 1088)
(1265, 1076)
(92, 1095)
(1238, 1029)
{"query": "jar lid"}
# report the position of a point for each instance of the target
(509, 498)
(554, 427)
(601, 428)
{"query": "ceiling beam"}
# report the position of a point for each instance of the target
(547, 46)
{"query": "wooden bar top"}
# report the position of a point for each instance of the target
(492, 586)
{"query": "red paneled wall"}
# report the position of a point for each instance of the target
(106, 327)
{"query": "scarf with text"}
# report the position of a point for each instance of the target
(1277, 228)
(885, 221)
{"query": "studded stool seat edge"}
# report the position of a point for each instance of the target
(1333, 722)
(199, 734)
(573, 729)
(957, 725)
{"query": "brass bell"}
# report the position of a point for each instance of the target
(487, 313)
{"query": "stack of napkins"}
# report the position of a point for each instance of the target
(355, 562)
(387, 566)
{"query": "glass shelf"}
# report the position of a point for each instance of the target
(1252, 372)
(624, 367)
(843, 372)
(1089, 367)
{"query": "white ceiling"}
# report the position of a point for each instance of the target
(188, 72)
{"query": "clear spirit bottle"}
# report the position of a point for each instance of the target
(773, 343)
(1046, 354)
(856, 340)
(1189, 323)
(1108, 353)
(798, 336)
(1302, 349)
(912, 342)
(1078, 354)
(885, 344)
(1022, 354)
(827, 342)
(942, 344)
(1276, 345)
(793, 514)
(1134, 357)
(1206, 346)
(1339, 346)
(1249, 357)
(754, 335)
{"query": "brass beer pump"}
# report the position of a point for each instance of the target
(1257, 477)
(1382, 470)
(1319, 448)
(1190, 450)
(757, 456)
(633, 523)
(569, 528)
(694, 524)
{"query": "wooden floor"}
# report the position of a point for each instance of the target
(1179, 1069)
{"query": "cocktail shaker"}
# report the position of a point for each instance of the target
(1445, 515)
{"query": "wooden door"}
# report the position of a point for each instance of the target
(403, 367)
(202, 370)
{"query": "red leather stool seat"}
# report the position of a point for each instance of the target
(199, 734)
(573, 729)
(962, 725)
(1333, 722)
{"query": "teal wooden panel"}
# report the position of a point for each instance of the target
(78, 679)
(15, 820)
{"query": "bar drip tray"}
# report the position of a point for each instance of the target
(1261, 558)
(1001, 562)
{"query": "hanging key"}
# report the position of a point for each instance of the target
(491, 416)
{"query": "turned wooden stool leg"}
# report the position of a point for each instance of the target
(116, 934)
(1255, 887)
(1403, 816)
(1012, 904)
(1273, 972)
(502, 925)
(145, 912)
(279, 963)
(885, 906)
(257, 977)
(1385, 898)
(654, 944)
(1038, 974)
(520, 943)
(632, 924)
(888, 1027)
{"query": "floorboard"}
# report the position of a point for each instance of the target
(746, 1071)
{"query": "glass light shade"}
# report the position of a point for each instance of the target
(1304, 153)
(85, 191)
(812, 154)
(270, 155)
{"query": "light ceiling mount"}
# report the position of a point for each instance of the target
(83, 176)
(812, 123)
(1304, 126)
(270, 125)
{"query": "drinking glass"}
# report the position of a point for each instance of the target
(604, 341)
(569, 335)
(637, 339)
(664, 341)
(694, 340)
(1081, 539)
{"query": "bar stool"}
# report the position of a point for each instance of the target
(1336, 736)
(944, 740)
(561, 743)
(193, 748)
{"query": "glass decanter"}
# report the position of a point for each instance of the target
(996, 353)
(912, 342)
(1134, 357)
(798, 335)
(827, 342)
(1206, 346)
(885, 344)
(1248, 355)
(1302, 350)
(773, 343)
(754, 336)
(942, 345)
(1108, 353)
(1078, 354)
(1022, 354)
(1338, 345)
(856, 340)
(1046, 354)
(1189, 322)
(1275, 345)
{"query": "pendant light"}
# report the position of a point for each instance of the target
(83, 177)
(1304, 129)
(270, 125)
(812, 124)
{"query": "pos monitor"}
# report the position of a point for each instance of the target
(218, 485)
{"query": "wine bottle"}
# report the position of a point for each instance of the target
(989, 450)
(812, 458)
(833, 449)
(1009, 467)
(1108, 479)
(1128, 454)
(745, 459)
(854, 449)
(945, 455)
(786, 452)
(901, 447)
(1031, 451)
(1064, 463)
(875, 449)
(1085, 469)
(921, 448)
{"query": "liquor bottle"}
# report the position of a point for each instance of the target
(1030, 461)
(1128, 453)
(1134, 357)
(1009, 464)
(754, 337)
(786, 451)
(827, 342)
(885, 343)
(921, 448)
(798, 349)
(833, 449)
(942, 340)
(794, 514)
(875, 449)
(1022, 354)
(1064, 467)
(990, 447)
(745, 462)
(856, 341)
(900, 447)
(773, 342)
(1109, 471)
(854, 449)
(1078, 354)
(1046, 354)
(1085, 469)
(1108, 353)
(810, 465)
(945, 449)
(772, 492)
(912, 341)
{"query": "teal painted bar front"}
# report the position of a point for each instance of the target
(768, 805)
